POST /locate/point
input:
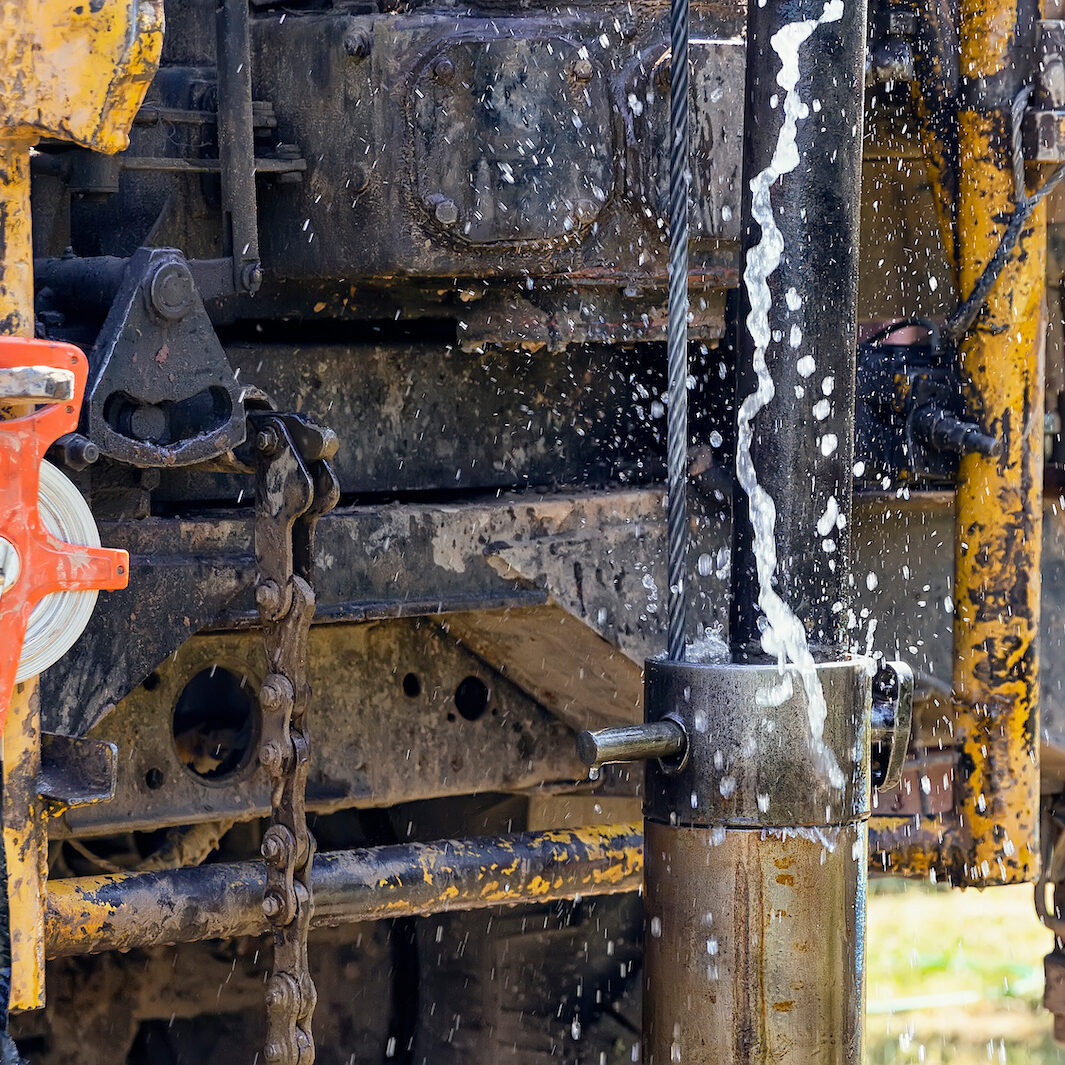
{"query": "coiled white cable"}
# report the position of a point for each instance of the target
(60, 618)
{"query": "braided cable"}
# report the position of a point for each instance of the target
(966, 313)
(677, 330)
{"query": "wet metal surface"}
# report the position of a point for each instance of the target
(768, 928)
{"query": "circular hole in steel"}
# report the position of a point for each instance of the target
(154, 779)
(471, 698)
(215, 724)
(412, 685)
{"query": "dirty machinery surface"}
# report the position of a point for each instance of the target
(343, 325)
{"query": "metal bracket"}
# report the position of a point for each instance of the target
(76, 771)
(892, 718)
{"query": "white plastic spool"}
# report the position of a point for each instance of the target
(60, 618)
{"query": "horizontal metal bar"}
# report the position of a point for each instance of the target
(89, 915)
(179, 165)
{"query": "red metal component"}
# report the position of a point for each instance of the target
(46, 564)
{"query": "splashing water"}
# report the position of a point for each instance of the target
(784, 635)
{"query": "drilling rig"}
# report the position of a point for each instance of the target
(513, 512)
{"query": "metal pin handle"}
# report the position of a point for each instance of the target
(664, 739)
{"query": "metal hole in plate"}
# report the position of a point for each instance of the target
(215, 725)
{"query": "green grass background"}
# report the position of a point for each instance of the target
(956, 976)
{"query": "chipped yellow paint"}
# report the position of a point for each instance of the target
(72, 72)
(25, 846)
(16, 262)
(998, 529)
(992, 837)
(77, 72)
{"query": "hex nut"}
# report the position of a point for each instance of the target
(267, 440)
(272, 905)
(446, 211)
(271, 848)
(583, 70)
(276, 692)
(270, 756)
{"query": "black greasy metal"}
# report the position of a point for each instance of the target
(138, 409)
(236, 145)
(801, 458)
(76, 771)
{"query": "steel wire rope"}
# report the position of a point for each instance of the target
(677, 328)
(966, 312)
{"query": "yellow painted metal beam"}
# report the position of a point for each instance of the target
(992, 837)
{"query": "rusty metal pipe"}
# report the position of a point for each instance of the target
(89, 915)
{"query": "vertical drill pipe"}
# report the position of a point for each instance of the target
(756, 868)
(992, 837)
(236, 144)
(802, 440)
(755, 843)
(677, 330)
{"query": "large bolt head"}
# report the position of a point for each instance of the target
(443, 69)
(172, 290)
(271, 848)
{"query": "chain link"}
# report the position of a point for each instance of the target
(295, 485)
